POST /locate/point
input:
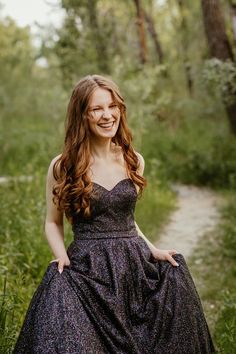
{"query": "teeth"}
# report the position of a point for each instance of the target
(106, 125)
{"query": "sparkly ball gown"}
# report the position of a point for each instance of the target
(114, 297)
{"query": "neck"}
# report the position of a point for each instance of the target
(100, 148)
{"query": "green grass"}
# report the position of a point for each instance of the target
(214, 269)
(195, 152)
(154, 208)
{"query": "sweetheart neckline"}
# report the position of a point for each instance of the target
(122, 180)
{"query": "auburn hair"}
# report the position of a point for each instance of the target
(73, 187)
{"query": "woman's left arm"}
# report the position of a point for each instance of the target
(157, 253)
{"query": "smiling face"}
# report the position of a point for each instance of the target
(103, 114)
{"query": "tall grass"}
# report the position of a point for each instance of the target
(214, 268)
(201, 153)
(225, 330)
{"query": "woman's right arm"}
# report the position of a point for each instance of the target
(54, 229)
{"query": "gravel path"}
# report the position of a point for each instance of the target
(196, 214)
(4, 180)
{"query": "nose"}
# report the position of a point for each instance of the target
(107, 114)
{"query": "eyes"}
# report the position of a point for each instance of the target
(113, 106)
(98, 111)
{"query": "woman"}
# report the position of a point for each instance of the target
(111, 291)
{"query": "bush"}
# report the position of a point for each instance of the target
(193, 154)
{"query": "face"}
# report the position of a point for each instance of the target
(103, 114)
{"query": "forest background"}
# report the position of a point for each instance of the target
(174, 61)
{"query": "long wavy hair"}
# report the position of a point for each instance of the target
(73, 187)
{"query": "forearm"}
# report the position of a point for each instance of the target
(55, 237)
(150, 245)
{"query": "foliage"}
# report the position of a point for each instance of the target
(226, 324)
(225, 330)
(16, 63)
(193, 153)
(31, 104)
(220, 78)
(214, 268)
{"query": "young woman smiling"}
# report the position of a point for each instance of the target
(111, 291)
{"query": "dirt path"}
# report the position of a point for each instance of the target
(4, 180)
(196, 214)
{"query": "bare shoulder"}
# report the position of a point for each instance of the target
(141, 163)
(50, 169)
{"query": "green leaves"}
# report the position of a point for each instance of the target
(220, 78)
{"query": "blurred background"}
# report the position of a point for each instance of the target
(174, 61)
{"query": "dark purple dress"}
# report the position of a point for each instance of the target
(114, 297)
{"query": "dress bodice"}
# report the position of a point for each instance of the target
(112, 212)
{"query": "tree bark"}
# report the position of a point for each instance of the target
(184, 45)
(154, 35)
(98, 39)
(141, 31)
(214, 24)
(219, 45)
(233, 17)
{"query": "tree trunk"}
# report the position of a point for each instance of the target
(154, 35)
(184, 47)
(98, 40)
(141, 31)
(219, 45)
(233, 16)
(214, 24)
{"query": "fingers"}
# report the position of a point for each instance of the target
(172, 261)
(60, 264)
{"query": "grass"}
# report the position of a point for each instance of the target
(153, 210)
(195, 152)
(214, 268)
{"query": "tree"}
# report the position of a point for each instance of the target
(184, 46)
(141, 31)
(220, 48)
(97, 36)
(233, 15)
(83, 45)
(16, 65)
(154, 35)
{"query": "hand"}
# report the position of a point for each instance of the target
(62, 261)
(165, 255)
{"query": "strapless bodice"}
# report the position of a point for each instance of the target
(112, 213)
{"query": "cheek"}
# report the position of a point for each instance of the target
(91, 125)
(118, 119)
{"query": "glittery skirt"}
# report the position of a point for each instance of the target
(115, 298)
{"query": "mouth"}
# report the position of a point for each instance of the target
(106, 125)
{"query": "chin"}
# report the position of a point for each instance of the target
(107, 135)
